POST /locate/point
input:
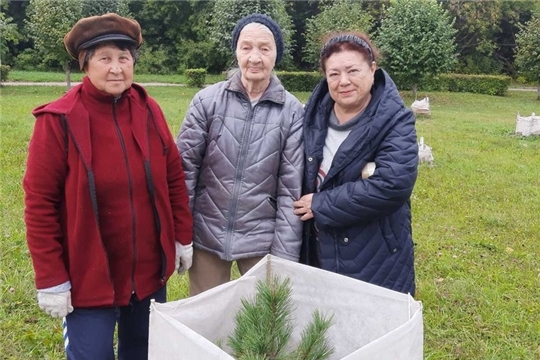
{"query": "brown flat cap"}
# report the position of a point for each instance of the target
(96, 29)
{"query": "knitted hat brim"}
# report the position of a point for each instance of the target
(263, 20)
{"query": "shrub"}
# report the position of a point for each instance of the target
(195, 77)
(480, 84)
(28, 59)
(153, 61)
(299, 80)
(193, 55)
(4, 72)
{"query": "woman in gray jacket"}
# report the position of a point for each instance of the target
(242, 151)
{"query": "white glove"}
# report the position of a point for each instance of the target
(184, 257)
(368, 170)
(55, 304)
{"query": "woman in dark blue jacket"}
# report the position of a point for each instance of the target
(361, 158)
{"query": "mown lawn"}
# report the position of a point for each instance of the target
(475, 222)
(76, 75)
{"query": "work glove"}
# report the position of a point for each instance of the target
(368, 170)
(184, 257)
(55, 304)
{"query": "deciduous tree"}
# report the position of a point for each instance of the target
(476, 23)
(514, 15)
(100, 7)
(47, 23)
(8, 33)
(528, 51)
(340, 15)
(417, 41)
(300, 12)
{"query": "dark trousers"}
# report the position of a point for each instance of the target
(89, 332)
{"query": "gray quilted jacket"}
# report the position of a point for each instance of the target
(244, 167)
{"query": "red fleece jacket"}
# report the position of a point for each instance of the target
(105, 196)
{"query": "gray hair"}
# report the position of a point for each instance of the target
(122, 45)
(259, 26)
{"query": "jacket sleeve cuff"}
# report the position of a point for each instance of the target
(184, 242)
(284, 255)
(58, 288)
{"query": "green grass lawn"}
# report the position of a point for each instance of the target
(475, 223)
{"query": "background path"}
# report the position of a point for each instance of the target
(74, 83)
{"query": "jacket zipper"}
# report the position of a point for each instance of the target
(237, 185)
(130, 182)
(336, 250)
(151, 191)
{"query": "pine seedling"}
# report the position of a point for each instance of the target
(263, 327)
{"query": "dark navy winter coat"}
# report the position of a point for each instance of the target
(364, 226)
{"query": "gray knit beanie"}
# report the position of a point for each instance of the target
(266, 21)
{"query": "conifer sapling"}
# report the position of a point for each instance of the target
(264, 327)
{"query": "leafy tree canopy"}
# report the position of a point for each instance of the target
(340, 15)
(514, 14)
(476, 22)
(528, 51)
(8, 33)
(416, 39)
(100, 7)
(47, 24)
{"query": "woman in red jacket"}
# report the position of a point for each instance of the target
(107, 213)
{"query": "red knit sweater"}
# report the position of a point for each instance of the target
(105, 196)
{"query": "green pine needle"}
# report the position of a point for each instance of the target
(313, 344)
(263, 327)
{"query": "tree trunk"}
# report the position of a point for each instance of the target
(538, 91)
(414, 88)
(68, 74)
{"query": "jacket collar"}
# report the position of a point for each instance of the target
(65, 104)
(275, 92)
(75, 105)
(99, 101)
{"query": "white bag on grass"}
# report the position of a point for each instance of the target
(369, 322)
(528, 125)
(424, 153)
(421, 106)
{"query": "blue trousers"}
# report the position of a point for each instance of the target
(89, 332)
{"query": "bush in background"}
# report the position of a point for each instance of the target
(153, 62)
(193, 55)
(299, 80)
(195, 77)
(4, 72)
(479, 84)
(28, 59)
